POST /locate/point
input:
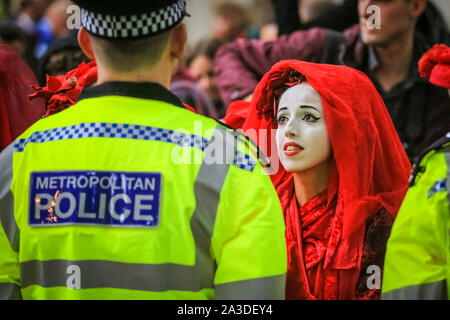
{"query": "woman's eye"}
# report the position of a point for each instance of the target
(282, 120)
(310, 118)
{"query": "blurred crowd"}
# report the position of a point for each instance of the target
(37, 31)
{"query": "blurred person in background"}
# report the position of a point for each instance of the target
(52, 26)
(184, 85)
(4, 8)
(388, 55)
(231, 21)
(61, 56)
(31, 11)
(13, 36)
(309, 10)
(30, 14)
(268, 32)
(292, 15)
(200, 65)
(432, 25)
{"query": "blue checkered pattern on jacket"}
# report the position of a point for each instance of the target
(440, 185)
(127, 131)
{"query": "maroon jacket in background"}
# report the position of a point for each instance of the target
(17, 113)
(419, 110)
(240, 65)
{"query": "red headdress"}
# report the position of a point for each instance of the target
(435, 65)
(370, 167)
(16, 112)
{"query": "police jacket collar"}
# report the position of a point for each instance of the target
(142, 90)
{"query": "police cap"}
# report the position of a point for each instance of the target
(129, 19)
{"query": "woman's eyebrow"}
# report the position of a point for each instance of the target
(281, 109)
(309, 107)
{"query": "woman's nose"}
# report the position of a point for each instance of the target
(291, 130)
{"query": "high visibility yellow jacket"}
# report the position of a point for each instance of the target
(128, 195)
(417, 262)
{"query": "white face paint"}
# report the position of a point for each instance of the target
(302, 135)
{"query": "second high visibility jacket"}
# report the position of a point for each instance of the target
(417, 262)
(128, 195)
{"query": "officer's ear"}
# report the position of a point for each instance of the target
(178, 41)
(84, 41)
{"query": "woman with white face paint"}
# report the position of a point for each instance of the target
(339, 169)
(302, 140)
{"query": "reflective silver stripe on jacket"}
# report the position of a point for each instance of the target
(10, 291)
(427, 291)
(7, 219)
(269, 288)
(111, 274)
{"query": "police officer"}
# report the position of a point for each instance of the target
(417, 263)
(129, 195)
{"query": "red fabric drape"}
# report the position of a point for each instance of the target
(370, 172)
(16, 112)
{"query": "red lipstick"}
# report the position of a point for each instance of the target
(294, 149)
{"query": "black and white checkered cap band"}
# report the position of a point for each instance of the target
(135, 25)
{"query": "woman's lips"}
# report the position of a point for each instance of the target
(291, 149)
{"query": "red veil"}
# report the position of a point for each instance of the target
(17, 113)
(370, 168)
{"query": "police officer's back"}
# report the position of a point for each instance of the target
(128, 194)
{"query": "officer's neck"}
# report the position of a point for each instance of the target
(161, 74)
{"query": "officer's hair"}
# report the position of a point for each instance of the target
(124, 55)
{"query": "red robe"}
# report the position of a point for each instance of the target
(308, 233)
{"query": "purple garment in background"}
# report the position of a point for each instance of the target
(240, 65)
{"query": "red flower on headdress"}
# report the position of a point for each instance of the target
(62, 91)
(435, 65)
